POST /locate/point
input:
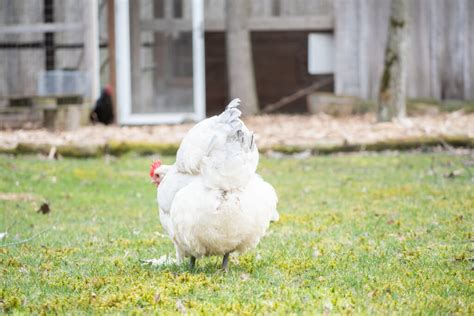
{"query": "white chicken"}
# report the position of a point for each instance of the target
(211, 201)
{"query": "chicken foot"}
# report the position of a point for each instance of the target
(192, 262)
(225, 262)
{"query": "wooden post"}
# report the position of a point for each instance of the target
(159, 54)
(199, 68)
(135, 50)
(122, 57)
(91, 47)
(240, 69)
(347, 66)
(469, 52)
(111, 51)
(158, 44)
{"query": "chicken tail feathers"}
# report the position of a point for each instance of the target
(231, 113)
(233, 104)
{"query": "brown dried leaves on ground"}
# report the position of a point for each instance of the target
(271, 130)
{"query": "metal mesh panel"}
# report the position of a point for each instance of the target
(162, 63)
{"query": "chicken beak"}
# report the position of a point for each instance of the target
(155, 179)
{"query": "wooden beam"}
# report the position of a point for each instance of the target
(135, 51)
(293, 23)
(199, 64)
(282, 23)
(272, 107)
(111, 51)
(91, 62)
(159, 54)
(122, 57)
(41, 28)
(240, 69)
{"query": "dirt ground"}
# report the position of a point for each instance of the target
(270, 130)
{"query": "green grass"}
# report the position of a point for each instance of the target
(357, 234)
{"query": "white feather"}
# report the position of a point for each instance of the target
(214, 222)
(208, 135)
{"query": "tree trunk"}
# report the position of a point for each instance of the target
(239, 56)
(392, 94)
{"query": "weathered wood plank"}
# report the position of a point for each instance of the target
(469, 50)
(453, 85)
(437, 48)
(261, 8)
(41, 28)
(376, 45)
(214, 9)
(240, 67)
(292, 23)
(289, 23)
(135, 53)
(440, 51)
(418, 57)
(347, 51)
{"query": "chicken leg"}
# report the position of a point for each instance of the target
(192, 263)
(225, 262)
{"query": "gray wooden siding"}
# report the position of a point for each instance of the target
(18, 68)
(440, 47)
(441, 43)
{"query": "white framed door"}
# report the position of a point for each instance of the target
(164, 81)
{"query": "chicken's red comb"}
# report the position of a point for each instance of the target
(154, 165)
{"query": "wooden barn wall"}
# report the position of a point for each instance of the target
(280, 62)
(18, 67)
(215, 9)
(441, 42)
(22, 56)
(69, 11)
(440, 47)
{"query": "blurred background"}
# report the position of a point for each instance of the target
(173, 61)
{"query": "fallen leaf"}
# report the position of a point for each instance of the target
(453, 174)
(160, 235)
(328, 306)
(163, 260)
(316, 253)
(180, 306)
(44, 208)
(275, 154)
(52, 153)
(157, 297)
(372, 293)
(18, 196)
(302, 155)
(244, 277)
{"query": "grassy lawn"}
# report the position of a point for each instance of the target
(358, 234)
